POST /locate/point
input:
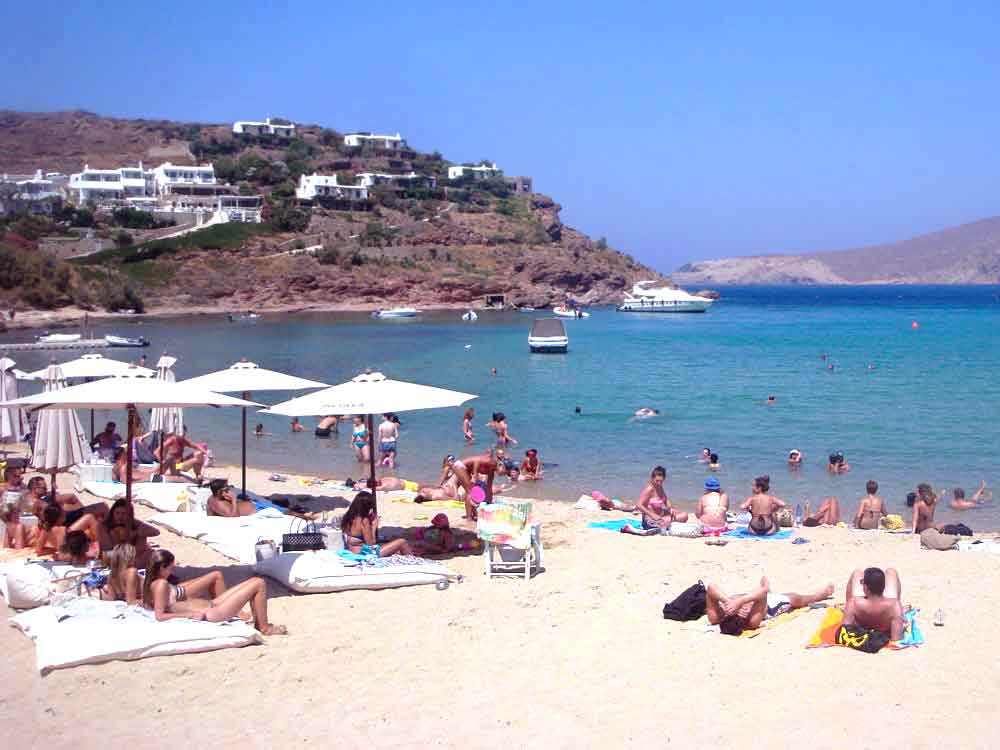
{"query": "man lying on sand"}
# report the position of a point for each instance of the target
(873, 601)
(734, 614)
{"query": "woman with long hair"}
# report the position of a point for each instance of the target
(186, 599)
(360, 529)
(467, 426)
(123, 581)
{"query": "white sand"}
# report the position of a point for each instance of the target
(578, 657)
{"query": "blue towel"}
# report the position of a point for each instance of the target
(635, 523)
(262, 504)
(742, 533)
(911, 631)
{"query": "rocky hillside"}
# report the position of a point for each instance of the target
(445, 245)
(966, 254)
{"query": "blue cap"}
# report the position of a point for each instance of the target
(712, 484)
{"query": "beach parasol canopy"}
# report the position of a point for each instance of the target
(13, 421)
(60, 441)
(370, 393)
(167, 419)
(246, 377)
(131, 393)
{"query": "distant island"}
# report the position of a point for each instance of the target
(966, 254)
(103, 214)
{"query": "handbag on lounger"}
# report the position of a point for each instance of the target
(303, 541)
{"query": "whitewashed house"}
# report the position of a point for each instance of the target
(30, 194)
(266, 128)
(174, 179)
(100, 185)
(478, 172)
(325, 186)
(384, 142)
(371, 179)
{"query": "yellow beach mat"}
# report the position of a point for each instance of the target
(783, 617)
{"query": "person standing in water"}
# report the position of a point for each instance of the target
(467, 425)
(388, 432)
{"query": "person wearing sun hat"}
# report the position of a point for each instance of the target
(712, 507)
(794, 457)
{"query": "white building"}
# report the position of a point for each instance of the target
(371, 179)
(30, 194)
(172, 178)
(385, 142)
(478, 172)
(322, 185)
(99, 185)
(266, 128)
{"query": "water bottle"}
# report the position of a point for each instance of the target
(798, 514)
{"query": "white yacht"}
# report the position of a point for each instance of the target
(548, 335)
(470, 316)
(565, 311)
(396, 312)
(59, 338)
(647, 297)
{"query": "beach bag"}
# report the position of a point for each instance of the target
(862, 639)
(302, 541)
(264, 549)
(689, 530)
(690, 605)
(957, 529)
(933, 539)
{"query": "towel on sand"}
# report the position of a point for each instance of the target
(826, 634)
(743, 533)
(635, 523)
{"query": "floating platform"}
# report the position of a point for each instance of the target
(40, 346)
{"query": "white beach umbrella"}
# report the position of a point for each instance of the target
(370, 393)
(131, 393)
(246, 377)
(168, 419)
(13, 421)
(60, 441)
(91, 367)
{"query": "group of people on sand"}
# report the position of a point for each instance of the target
(176, 458)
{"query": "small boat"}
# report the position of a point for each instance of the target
(58, 338)
(134, 342)
(396, 312)
(648, 297)
(526, 309)
(247, 317)
(569, 312)
(548, 335)
(470, 315)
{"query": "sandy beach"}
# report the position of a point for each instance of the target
(580, 656)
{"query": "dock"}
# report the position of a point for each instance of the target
(41, 346)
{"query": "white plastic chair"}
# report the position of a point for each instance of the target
(511, 540)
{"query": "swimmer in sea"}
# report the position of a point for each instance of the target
(794, 458)
(713, 462)
(645, 412)
(772, 400)
(706, 455)
(960, 503)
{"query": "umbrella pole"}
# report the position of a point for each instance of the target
(246, 397)
(87, 380)
(161, 453)
(128, 469)
(371, 460)
(54, 486)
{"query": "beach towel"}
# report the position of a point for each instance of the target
(743, 533)
(770, 622)
(408, 498)
(826, 635)
(635, 523)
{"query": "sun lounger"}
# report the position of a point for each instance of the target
(162, 496)
(326, 571)
(89, 631)
(234, 538)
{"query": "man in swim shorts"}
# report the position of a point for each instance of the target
(734, 614)
(873, 601)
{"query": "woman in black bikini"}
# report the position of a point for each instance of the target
(762, 507)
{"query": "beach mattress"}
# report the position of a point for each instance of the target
(325, 571)
(234, 538)
(25, 585)
(90, 631)
(162, 496)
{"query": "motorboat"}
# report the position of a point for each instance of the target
(127, 341)
(247, 317)
(59, 338)
(650, 296)
(396, 312)
(470, 316)
(548, 335)
(526, 309)
(569, 312)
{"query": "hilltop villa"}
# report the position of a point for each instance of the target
(326, 186)
(478, 172)
(371, 179)
(269, 127)
(385, 142)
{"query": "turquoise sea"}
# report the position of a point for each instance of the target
(904, 404)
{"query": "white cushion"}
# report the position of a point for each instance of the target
(28, 586)
(324, 571)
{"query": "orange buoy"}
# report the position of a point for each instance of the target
(914, 325)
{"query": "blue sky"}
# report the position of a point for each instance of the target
(678, 131)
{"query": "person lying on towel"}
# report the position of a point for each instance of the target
(873, 601)
(224, 503)
(734, 614)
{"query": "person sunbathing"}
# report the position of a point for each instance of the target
(653, 503)
(77, 549)
(763, 508)
(873, 601)
(531, 467)
(437, 539)
(175, 462)
(16, 534)
(39, 498)
(447, 490)
(123, 583)
(923, 509)
(360, 530)
(223, 501)
(187, 599)
(871, 509)
(51, 530)
(114, 530)
(734, 614)
(712, 506)
(828, 513)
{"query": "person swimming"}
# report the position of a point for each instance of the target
(645, 412)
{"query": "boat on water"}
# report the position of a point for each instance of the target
(569, 312)
(526, 309)
(59, 338)
(470, 316)
(127, 341)
(396, 312)
(247, 317)
(548, 335)
(647, 296)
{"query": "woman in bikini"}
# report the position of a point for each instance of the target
(359, 439)
(499, 425)
(923, 509)
(653, 503)
(762, 507)
(360, 530)
(187, 599)
(712, 507)
(467, 426)
(123, 581)
(388, 433)
(870, 509)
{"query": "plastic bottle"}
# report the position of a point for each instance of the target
(798, 514)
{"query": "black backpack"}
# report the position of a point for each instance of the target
(690, 605)
(957, 529)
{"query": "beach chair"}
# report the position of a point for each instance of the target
(510, 537)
